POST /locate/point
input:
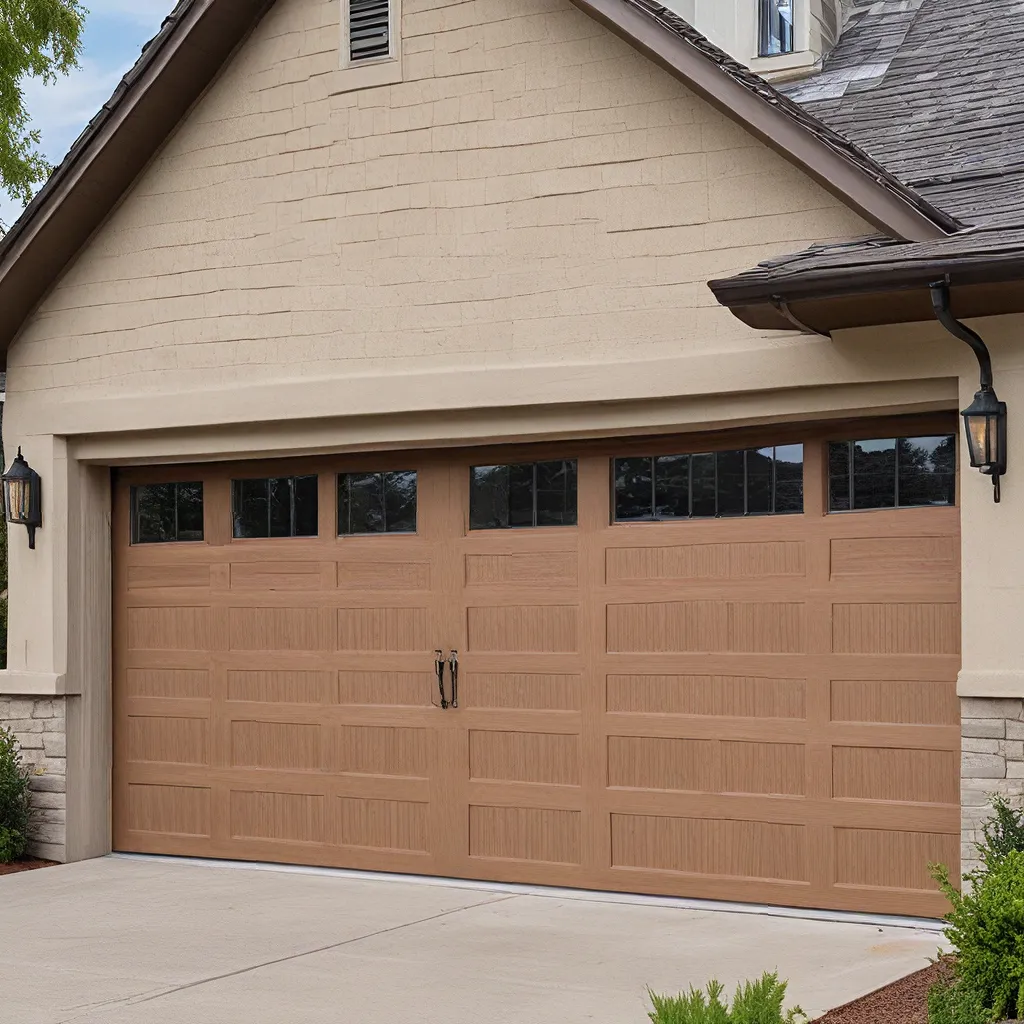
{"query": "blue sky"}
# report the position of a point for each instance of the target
(115, 31)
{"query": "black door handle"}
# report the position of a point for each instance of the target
(439, 670)
(453, 668)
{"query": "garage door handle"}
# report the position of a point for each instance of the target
(439, 670)
(453, 668)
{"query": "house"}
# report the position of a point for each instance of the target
(411, 504)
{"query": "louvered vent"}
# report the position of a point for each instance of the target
(369, 29)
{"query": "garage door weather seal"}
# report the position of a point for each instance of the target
(919, 924)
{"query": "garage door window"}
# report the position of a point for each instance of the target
(751, 482)
(377, 503)
(524, 495)
(275, 507)
(893, 472)
(167, 512)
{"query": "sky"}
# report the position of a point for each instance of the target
(115, 31)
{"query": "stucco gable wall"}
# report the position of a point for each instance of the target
(533, 192)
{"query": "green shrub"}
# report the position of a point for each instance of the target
(755, 1002)
(986, 928)
(951, 1002)
(1003, 832)
(15, 810)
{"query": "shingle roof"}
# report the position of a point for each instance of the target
(931, 89)
(934, 90)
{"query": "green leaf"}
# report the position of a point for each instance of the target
(38, 39)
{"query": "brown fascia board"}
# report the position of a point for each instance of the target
(890, 293)
(878, 197)
(172, 73)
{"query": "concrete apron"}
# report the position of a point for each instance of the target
(157, 941)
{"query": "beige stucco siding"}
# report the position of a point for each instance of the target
(534, 192)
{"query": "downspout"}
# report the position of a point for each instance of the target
(940, 303)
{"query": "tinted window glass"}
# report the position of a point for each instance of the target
(377, 502)
(400, 501)
(163, 513)
(672, 486)
(634, 487)
(556, 493)
(840, 478)
(702, 486)
(902, 472)
(762, 481)
(523, 495)
(874, 473)
(789, 479)
(732, 498)
(274, 507)
(927, 471)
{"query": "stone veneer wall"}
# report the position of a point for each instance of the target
(40, 726)
(992, 761)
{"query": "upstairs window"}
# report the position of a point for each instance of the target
(369, 30)
(776, 27)
(276, 507)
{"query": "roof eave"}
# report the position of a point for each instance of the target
(890, 293)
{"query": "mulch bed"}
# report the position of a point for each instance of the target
(903, 1002)
(29, 864)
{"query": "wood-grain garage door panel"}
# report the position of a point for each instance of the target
(171, 810)
(750, 849)
(523, 833)
(757, 708)
(899, 701)
(383, 824)
(706, 562)
(730, 696)
(890, 859)
(282, 686)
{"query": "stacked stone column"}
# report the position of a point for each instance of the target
(40, 727)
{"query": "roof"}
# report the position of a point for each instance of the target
(929, 88)
(199, 36)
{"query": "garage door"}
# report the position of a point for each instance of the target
(719, 667)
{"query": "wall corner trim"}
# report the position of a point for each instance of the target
(34, 684)
(990, 684)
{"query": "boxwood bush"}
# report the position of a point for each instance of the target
(986, 928)
(15, 810)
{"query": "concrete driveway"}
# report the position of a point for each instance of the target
(120, 941)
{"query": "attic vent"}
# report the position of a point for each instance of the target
(369, 29)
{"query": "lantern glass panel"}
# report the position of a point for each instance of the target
(980, 438)
(19, 500)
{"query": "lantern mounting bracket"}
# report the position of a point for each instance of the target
(985, 419)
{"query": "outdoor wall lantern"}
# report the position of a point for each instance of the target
(23, 497)
(985, 417)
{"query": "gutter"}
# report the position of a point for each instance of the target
(878, 278)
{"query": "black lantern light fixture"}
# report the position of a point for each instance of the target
(985, 417)
(23, 497)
